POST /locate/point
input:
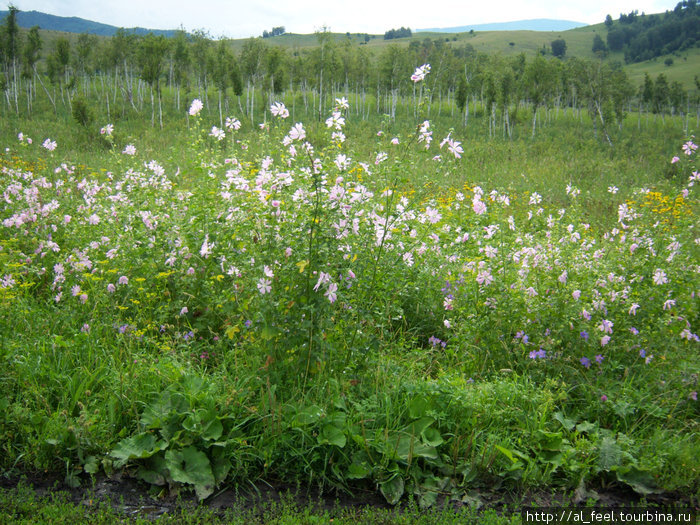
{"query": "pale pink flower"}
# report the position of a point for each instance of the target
(233, 124)
(49, 144)
(660, 277)
(129, 149)
(576, 294)
(604, 340)
(674, 160)
(420, 73)
(123, 280)
(217, 133)
(297, 132)
(633, 309)
(107, 130)
(279, 110)
(264, 286)
(196, 107)
(184, 310)
(331, 292)
(111, 288)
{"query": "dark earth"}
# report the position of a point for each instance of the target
(135, 498)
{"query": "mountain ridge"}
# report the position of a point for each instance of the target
(74, 24)
(535, 24)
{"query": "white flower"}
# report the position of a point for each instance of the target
(196, 107)
(279, 110)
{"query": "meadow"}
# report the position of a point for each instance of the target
(404, 306)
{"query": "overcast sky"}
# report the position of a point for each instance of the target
(240, 18)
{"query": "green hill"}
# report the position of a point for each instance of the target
(74, 24)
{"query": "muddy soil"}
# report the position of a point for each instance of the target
(134, 498)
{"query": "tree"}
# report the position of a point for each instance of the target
(661, 94)
(9, 47)
(151, 57)
(599, 48)
(559, 47)
(608, 22)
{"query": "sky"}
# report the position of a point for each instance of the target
(242, 19)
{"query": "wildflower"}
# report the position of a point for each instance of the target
(323, 278)
(585, 362)
(613, 189)
(123, 280)
(217, 133)
(7, 281)
(85, 329)
(633, 309)
(668, 304)
(279, 110)
(660, 277)
(539, 354)
(420, 73)
(111, 288)
(674, 160)
(233, 124)
(130, 149)
(331, 292)
(689, 148)
(184, 310)
(107, 130)
(297, 132)
(395, 141)
(693, 395)
(606, 326)
(83, 298)
(576, 294)
(205, 250)
(49, 144)
(335, 121)
(196, 107)
(342, 103)
(268, 272)
(634, 331)
(447, 323)
(264, 286)
(599, 358)
(603, 398)
(485, 278)
(604, 340)
(584, 335)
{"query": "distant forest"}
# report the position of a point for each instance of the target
(643, 37)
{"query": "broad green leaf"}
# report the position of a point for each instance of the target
(140, 446)
(640, 480)
(568, 424)
(432, 437)
(191, 466)
(392, 489)
(332, 435)
(609, 454)
(358, 470)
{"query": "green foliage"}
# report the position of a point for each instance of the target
(558, 47)
(82, 114)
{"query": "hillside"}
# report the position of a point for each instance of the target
(74, 24)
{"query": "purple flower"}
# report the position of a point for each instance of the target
(599, 358)
(584, 335)
(585, 362)
(248, 323)
(642, 353)
(603, 398)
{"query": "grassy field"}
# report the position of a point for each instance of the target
(406, 307)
